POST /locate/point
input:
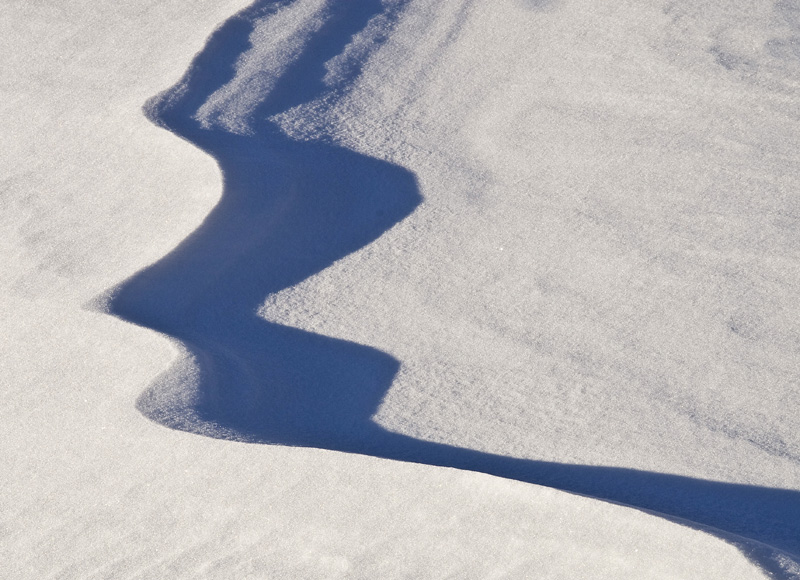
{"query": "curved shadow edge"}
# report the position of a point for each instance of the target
(289, 210)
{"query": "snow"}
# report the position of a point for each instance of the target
(418, 288)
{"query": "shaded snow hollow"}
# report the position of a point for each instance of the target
(540, 242)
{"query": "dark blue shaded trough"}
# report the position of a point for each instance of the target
(289, 209)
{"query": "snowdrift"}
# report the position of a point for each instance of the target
(538, 241)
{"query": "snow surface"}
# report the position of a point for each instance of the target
(543, 252)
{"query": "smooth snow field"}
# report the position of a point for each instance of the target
(400, 289)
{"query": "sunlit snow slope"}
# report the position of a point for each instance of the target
(549, 241)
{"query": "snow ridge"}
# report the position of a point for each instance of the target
(291, 208)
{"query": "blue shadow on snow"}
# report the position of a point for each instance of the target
(288, 210)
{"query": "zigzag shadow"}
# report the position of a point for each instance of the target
(288, 210)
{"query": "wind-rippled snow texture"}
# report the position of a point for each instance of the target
(600, 276)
